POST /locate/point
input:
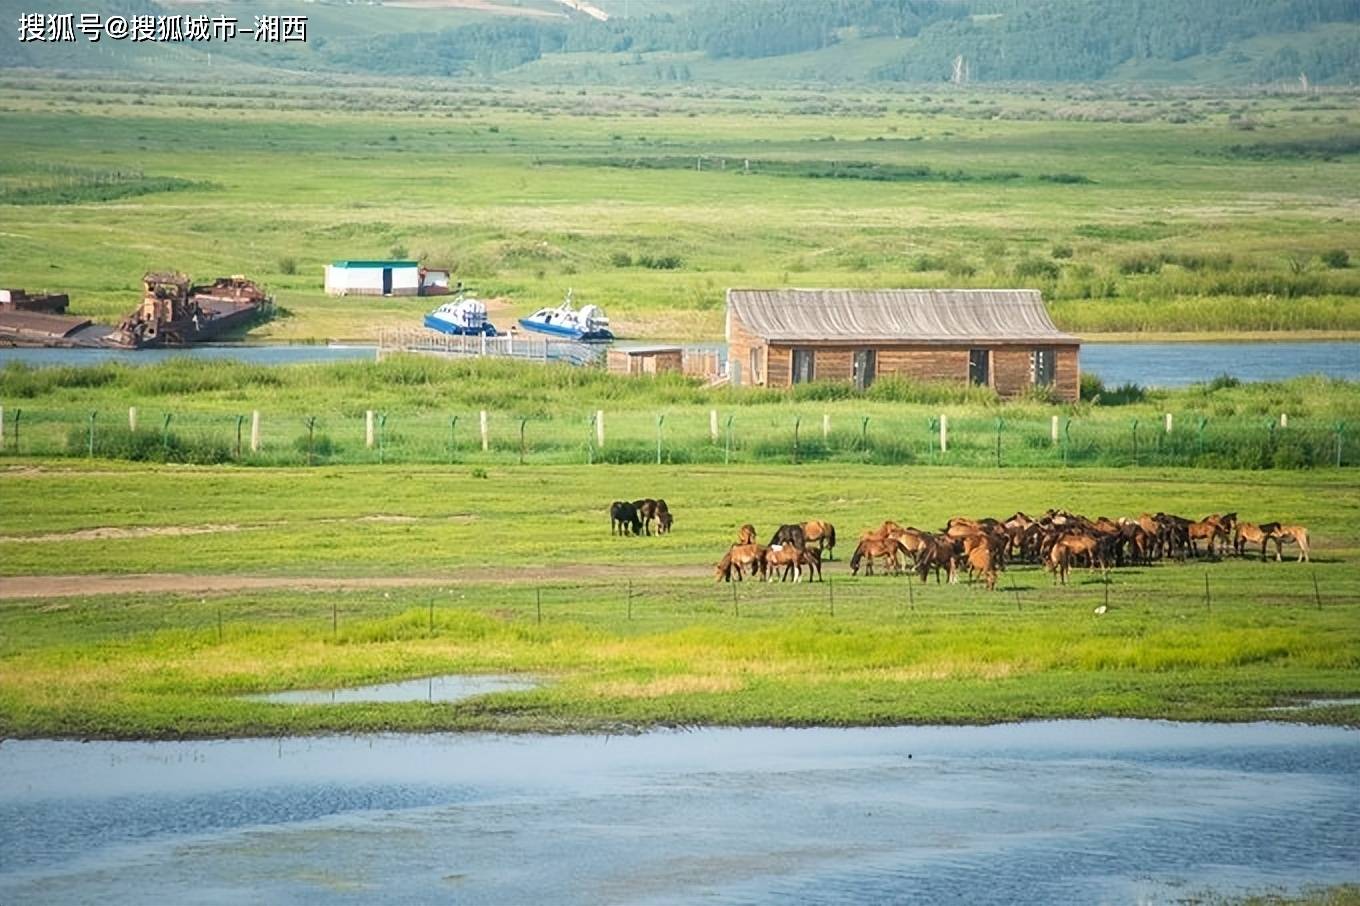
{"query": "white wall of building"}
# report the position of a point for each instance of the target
(368, 281)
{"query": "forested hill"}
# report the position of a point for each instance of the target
(1213, 41)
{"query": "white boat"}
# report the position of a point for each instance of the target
(587, 323)
(463, 316)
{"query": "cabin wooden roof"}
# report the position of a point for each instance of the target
(937, 316)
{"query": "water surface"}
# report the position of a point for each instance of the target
(451, 688)
(1066, 812)
(1149, 364)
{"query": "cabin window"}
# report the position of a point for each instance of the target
(804, 366)
(1041, 367)
(863, 366)
(980, 367)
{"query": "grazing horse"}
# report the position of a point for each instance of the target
(739, 557)
(646, 510)
(871, 548)
(822, 533)
(746, 534)
(789, 534)
(883, 531)
(1295, 533)
(938, 553)
(664, 519)
(623, 517)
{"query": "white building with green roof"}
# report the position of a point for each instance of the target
(373, 278)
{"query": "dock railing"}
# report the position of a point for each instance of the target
(432, 342)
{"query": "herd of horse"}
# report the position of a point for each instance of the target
(637, 517)
(1059, 540)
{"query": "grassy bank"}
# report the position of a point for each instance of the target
(632, 632)
(543, 414)
(1164, 211)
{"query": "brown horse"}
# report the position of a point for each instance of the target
(786, 560)
(740, 557)
(1210, 529)
(664, 519)
(1067, 548)
(883, 531)
(1251, 533)
(1295, 533)
(746, 534)
(938, 553)
(870, 548)
(980, 561)
(823, 534)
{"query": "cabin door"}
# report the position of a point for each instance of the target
(387, 281)
(864, 366)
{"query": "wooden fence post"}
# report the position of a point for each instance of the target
(944, 433)
(368, 429)
(132, 418)
(1053, 431)
(1168, 423)
(1284, 419)
(255, 431)
(713, 425)
(826, 425)
(485, 442)
(599, 427)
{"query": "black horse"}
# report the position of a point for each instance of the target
(623, 518)
(790, 534)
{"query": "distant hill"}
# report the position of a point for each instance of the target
(764, 41)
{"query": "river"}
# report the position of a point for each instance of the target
(1148, 364)
(1105, 811)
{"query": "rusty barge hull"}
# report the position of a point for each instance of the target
(31, 328)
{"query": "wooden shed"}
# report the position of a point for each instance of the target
(999, 338)
(646, 360)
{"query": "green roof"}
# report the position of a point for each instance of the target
(375, 264)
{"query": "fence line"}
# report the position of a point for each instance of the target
(682, 435)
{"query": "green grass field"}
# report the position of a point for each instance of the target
(1188, 213)
(435, 571)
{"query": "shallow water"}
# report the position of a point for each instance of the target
(452, 688)
(1064, 812)
(1149, 364)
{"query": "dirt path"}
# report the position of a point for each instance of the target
(179, 583)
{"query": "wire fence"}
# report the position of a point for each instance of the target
(1023, 593)
(681, 435)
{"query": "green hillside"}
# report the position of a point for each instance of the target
(757, 42)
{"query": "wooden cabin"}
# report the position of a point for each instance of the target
(998, 338)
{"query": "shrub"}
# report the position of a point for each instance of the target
(321, 444)
(1141, 264)
(397, 251)
(147, 446)
(1092, 387)
(660, 262)
(1061, 251)
(1336, 258)
(1224, 381)
(288, 266)
(1036, 268)
(621, 259)
(927, 263)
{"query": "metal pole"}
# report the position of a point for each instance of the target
(453, 442)
(797, 420)
(382, 438)
(727, 449)
(165, 434)
(92, 418)
(240, 420)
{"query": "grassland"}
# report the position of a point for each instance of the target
(516, 572)
(1157, 212)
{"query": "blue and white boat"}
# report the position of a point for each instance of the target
(463, 316)
(588, 323)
